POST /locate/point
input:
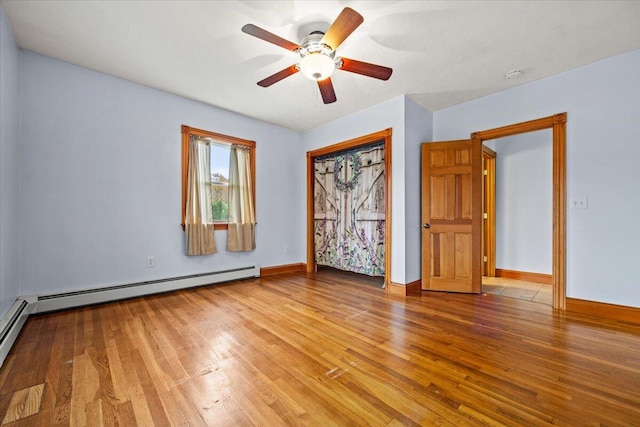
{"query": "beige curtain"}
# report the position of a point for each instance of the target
(242, 221)
(199, 217)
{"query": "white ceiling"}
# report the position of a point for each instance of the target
(442, 52)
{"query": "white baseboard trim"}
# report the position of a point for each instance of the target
(12, 322)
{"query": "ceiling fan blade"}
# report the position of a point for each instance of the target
(326, 90)
(366, 69)
(345, 24)
(269, 37)
(275, 78)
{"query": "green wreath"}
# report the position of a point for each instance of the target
(356, 167)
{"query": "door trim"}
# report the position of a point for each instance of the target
(383, 135)
(489, 207)
(557, 123)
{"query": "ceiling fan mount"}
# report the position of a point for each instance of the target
(318, 54)
(313, 44)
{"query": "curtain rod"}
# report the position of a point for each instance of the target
(212, 141)
(367, 147)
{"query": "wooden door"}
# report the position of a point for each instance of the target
(452, 216)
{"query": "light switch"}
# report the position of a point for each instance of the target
(578, 203)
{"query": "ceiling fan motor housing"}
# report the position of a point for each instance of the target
(324, 64)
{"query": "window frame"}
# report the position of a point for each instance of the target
(187, 132)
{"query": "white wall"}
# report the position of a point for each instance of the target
(9, 136)
(418, 129)
(100, 176)
(524, 202)
(603, 127)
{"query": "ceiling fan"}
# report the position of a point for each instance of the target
(318, 54)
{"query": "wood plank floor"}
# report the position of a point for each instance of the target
(320, 350)
(520, 289)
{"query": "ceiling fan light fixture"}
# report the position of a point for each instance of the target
(317, 66)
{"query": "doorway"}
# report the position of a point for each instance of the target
(382, 136)
(557, 125)
(517, 227)
(452, 214)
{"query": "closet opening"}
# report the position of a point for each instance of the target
(349, 206)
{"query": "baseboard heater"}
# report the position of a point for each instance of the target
(66, 300)
(11, 324)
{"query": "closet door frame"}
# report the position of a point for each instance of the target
(383, 135)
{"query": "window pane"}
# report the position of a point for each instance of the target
(220, 181)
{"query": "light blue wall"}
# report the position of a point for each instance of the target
(524, 202)
(388, 114)
(603, 127)
(411, 125)
(9, 137)
(100, 181)
(418, 129)
(100, 154)
(99, 164)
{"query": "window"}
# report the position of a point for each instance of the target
(220, 148)
(220, 181)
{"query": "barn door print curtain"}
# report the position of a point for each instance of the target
(349, 211)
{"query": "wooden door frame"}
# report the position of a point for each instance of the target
(383, 135)
(557, 123)
(489, 207)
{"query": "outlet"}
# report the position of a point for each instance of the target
(578, 203)
(151, 261)
(287, 249)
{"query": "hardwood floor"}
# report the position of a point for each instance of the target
(520, 289)
(320, 350)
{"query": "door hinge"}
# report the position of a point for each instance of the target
(485, 259)
(485, 215)
(486, 172)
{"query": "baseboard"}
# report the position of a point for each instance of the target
(412, 288)
(11, 324)
(604, 310)
(547, 279)
(282, 269)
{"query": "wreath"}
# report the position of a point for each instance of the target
(356, 168)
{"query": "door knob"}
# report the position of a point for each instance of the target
(426, 225)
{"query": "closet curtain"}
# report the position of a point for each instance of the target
(198, 224)
(349, 211)
(242, 220)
